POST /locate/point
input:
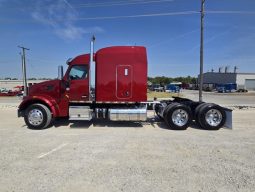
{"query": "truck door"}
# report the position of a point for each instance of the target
(78, 83)
(124, 81)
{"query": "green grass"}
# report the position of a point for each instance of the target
(152, 94)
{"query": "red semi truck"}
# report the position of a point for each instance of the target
(120, 94)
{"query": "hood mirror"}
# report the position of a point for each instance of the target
(69, 61)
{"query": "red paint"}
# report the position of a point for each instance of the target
(79, 89)
(48, 88)
(124, 74)
(80, 60)
(45, 99)
(111, 83)
(121, 76)
(51, 93)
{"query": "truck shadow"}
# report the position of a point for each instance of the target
(117, 124)
(158, 123)
(96, 123)
(155, 122)
(195, 126)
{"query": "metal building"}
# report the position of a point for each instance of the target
(242, 80)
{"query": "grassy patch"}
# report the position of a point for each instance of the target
(159, 95)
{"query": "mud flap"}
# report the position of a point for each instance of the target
(228, 123)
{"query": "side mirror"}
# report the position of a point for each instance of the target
(67, 84)
(60, 72)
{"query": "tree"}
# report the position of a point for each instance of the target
(162, 80)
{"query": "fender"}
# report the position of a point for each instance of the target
(43, 99)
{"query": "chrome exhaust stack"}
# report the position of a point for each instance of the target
(91, 94)
(60, 72)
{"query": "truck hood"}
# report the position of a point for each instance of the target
(50, 88)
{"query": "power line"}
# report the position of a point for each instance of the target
(231, 12)
(137, 16)
(120, 3)
(111, 17)
(143, 15)
(164, 14)
(95, 5)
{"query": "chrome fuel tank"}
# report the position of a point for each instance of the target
(136, 114)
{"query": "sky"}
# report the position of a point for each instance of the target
(55, 30)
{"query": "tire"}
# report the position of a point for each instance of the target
(168, 108)
(211, 117)
(41, 119)
(198, 109)
(178, 116)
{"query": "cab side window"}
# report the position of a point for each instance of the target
(78, 72)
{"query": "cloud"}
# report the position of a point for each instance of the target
(60, 16)
(73, 32)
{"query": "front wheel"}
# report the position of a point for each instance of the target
(38, 116)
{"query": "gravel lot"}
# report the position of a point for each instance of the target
(108, 156)
(226, 99)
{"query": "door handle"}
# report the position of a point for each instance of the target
(84, 96)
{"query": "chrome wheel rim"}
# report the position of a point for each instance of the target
(213, 117)
(180, 117)
(35, 117)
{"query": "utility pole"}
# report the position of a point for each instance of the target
(201, 52)
(24, 72)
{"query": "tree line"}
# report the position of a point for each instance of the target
(166, 80)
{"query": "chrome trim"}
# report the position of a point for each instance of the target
(35, 117)
(91, 60)
(80, 101)
(80, 113)
(100, 113)
(117, 102)
(180, 117)
(213, 117)
(60, 72)
(139, 114)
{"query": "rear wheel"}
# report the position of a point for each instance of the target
(198, 109)
(38, 116)
(177, 116)
(211, 117)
